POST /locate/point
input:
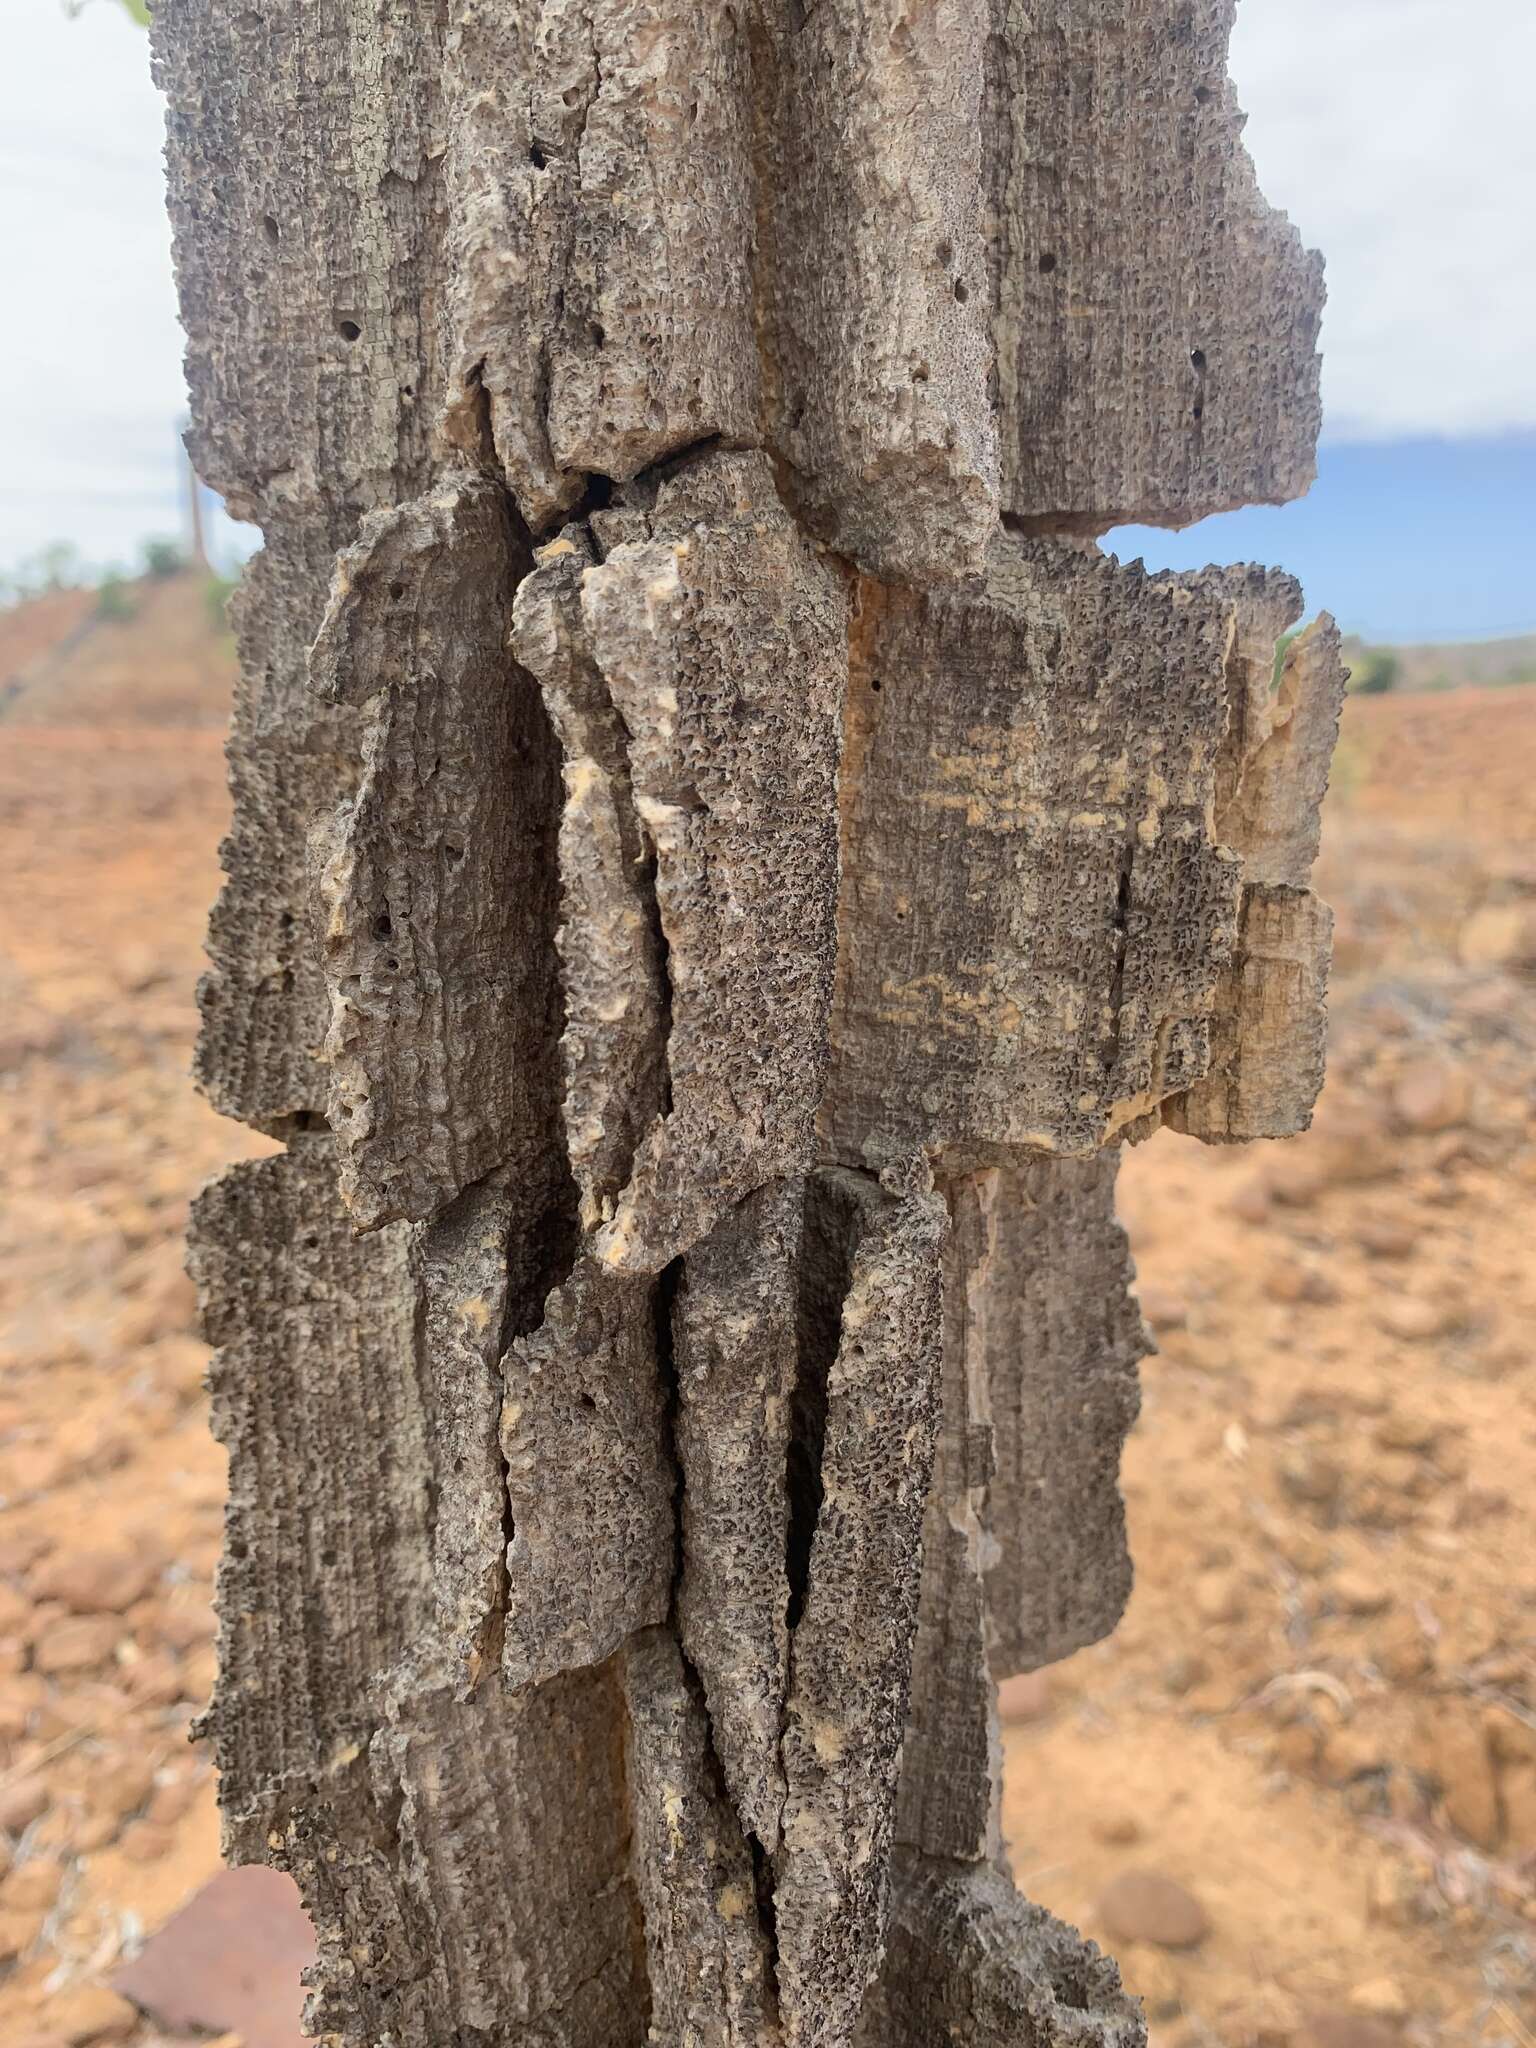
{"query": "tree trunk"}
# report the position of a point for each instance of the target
(720, 864)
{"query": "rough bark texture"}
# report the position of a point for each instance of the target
(720, 862)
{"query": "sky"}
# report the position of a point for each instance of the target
(1397, 134)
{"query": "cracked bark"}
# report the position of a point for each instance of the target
(720, 866)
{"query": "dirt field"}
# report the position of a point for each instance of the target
(1318, 1722)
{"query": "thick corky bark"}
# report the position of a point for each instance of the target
(720, 863)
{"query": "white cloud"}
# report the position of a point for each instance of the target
(1399, 136)
(1397, 133)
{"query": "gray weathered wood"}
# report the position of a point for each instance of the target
(1035, 908)
(720, 862)
(1156, 322)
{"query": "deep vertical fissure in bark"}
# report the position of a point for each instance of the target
(1120, 928)
(826, 1265)
(669, 1283)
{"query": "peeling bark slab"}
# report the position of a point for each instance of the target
(1263, 605)
(1034, 912)
(1275, 819)
(600, 205)
(524, 1890)
(454, 1887)
(476, 1284)
(710, 1966)
(734, 1333)
(1156, 321)
(614, 1046)
(307, 263)
(326, 1575)
(1271, 1023)
(589, 1478)
(435, 886)
(392, 1798)
(1270, 1034)
(721, 639)
(951, 1765)
(971, 1962)
(878, 320)
(1051, 1313)
(306, 210)
(262, 1003)
(851, 1646)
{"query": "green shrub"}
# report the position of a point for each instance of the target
(1374, 672)
(114, 600)
(163, 558)
(1282, 647)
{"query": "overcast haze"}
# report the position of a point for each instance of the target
(1397, 133)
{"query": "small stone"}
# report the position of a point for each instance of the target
(184, 1625)
(1346, 2030)
(91, 2013)
(1184, 1671)
(96, 1581)
(31, 1469)
(156, 1681)
(1024, 1697)
(1147, 1905)
(1307, 1553)
(1431, 1095)
(1219, 1596)
(1384, 1237)
(1310, 1477)
(32, 1887)
(79, 1644)
(1348, 1752)
(1415, 1320)
(1294, 1280)
(1456, 1754)
(1120, 1830)
(1357, 1592)
(1351, 1145)
(144, 1842)
(94, 1832)
(1382, 1997)
(20, 1549)
(22, 1803)
(1296, 1747)
(1293, 1183)
(1163, 1309)
(18, 1931)
(122, 1784)
(1251, 1203)
(1402, 1430)
(1498, 935)
(1391, 1894)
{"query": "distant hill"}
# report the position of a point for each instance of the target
(168, 662)
(1452, 666)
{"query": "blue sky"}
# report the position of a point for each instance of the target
(1396, 133)
(1400, 539)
